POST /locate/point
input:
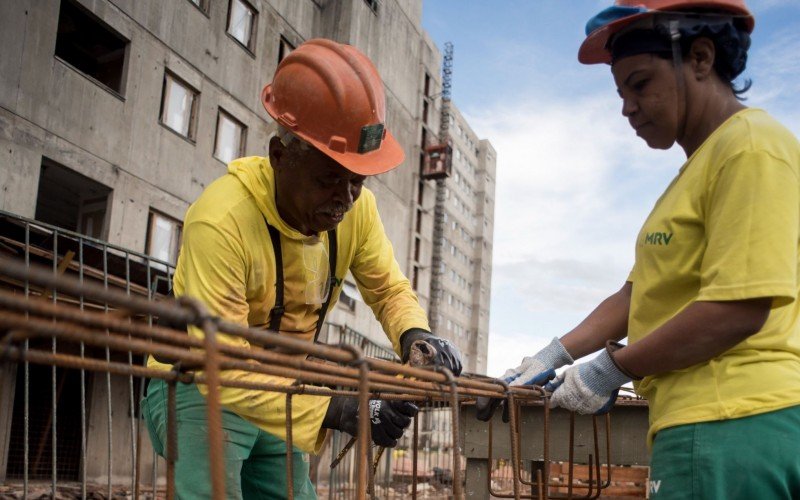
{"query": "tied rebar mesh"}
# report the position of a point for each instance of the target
(76, 334)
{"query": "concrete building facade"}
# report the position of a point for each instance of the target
(116, 114)
(467, 247)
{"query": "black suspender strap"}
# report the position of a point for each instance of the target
(276, 314)
(331, 281)
(277, 311)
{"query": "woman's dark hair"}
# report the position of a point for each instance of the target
(730, 45)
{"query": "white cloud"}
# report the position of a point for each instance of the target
(573, 187)
(775, 70)
(758, 6)
(506, 351)
(574, 183)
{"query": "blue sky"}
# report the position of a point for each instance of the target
(574, 183)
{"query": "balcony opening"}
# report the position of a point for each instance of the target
(72, 201)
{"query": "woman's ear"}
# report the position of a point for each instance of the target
(701, 58)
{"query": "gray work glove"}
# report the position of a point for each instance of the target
(588, 388)
(534, 370)
(388, 418)
(446, 355)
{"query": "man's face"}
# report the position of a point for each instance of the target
(313, 192)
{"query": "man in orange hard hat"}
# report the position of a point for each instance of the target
(268, 245)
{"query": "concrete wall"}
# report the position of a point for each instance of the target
(50, 109)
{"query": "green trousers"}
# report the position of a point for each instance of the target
(750, 458)
(255, 462)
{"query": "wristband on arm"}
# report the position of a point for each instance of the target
(612, 347)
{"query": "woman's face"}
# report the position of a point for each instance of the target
(647, 85)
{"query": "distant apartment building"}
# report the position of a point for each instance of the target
(116, 114)
(466, 264)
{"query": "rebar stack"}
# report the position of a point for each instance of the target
(48, 328)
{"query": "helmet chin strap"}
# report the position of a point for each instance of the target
(677, 64)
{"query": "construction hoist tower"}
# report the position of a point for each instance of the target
(438, 166)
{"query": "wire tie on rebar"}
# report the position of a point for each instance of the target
(451, 379)
(447, 374)
(357, 362)
(296, 387)
(180, 374)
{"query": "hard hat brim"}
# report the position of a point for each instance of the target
(594, 49)
(387, 157)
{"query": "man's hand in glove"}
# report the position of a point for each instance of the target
(534, 370)
(444, 353)
(588, 388)
(388, 418)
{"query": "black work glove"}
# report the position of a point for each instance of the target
(389, 418)
(446, 355)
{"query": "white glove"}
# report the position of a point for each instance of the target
(588, 388)
(534, 370)
(539, 368)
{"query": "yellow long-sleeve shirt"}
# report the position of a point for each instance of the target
(227, 262)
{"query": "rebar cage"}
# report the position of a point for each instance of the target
(77, 319)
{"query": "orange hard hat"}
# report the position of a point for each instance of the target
(602, 27)
(331, 96)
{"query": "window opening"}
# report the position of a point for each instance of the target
(241, 21)
(89, 45)
(179, 106)
(230, 139)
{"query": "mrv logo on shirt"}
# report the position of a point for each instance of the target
(657, 238)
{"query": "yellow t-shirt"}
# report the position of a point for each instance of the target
(227, 262)
(725, 229)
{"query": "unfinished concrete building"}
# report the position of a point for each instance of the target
(115, 115)
(466, 257)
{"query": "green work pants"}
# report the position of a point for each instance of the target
(255, 461)
(748, 458)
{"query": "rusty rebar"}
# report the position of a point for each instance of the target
(454, 409)
(414, 457)
(545, 460)
(365, 378)
(168, 310)
(364, 435)
(40, 327)
(216, 446)
(289, 454)
(343, 452)
(171, 454)
(290, 366)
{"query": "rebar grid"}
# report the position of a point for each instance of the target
(124, 328)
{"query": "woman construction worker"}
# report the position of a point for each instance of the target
(268, 245)
(711, 305)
